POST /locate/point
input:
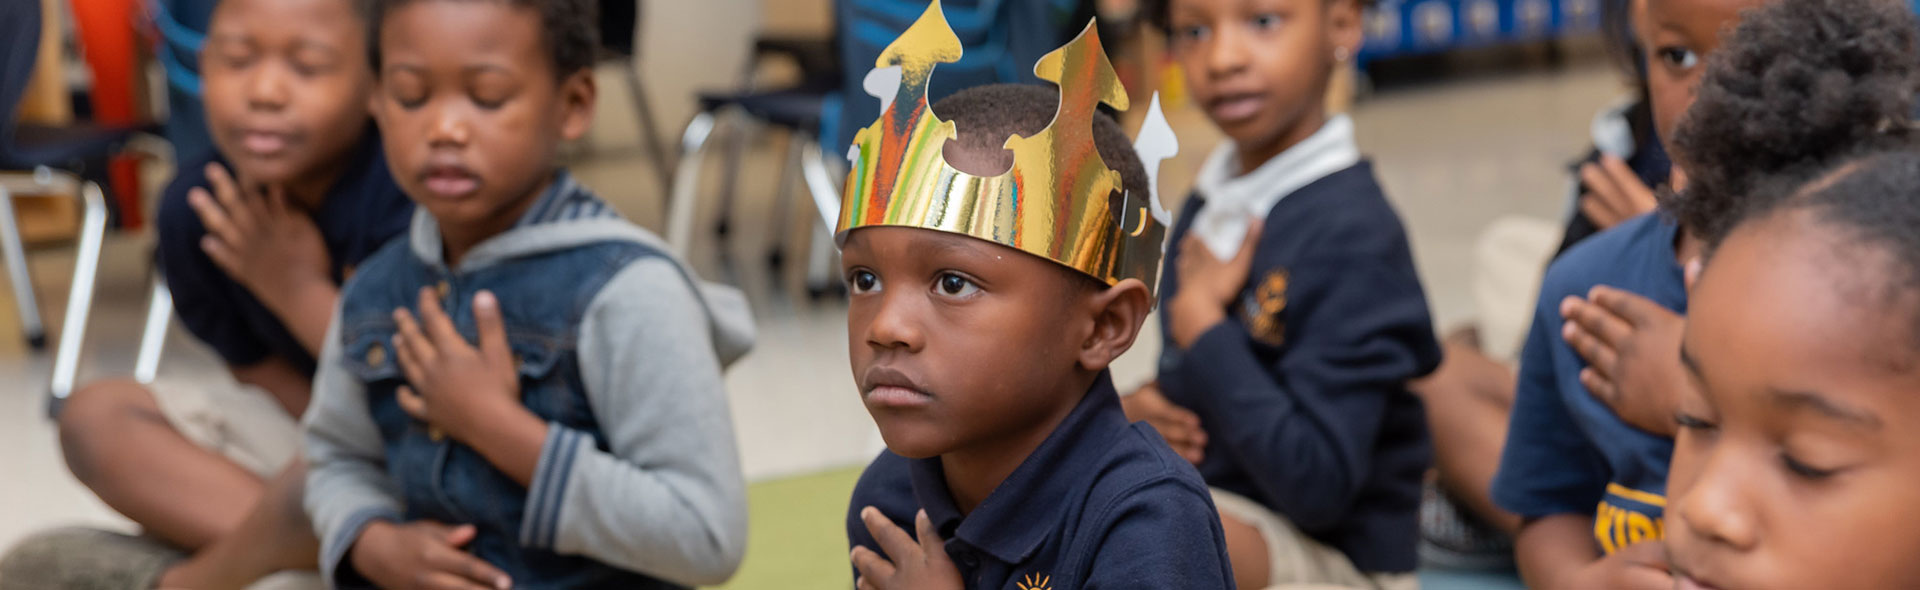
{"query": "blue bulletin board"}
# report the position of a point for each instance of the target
(1408, 27)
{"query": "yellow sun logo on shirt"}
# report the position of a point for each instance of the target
(1036, 582)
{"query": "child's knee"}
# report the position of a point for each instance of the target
(98, 410)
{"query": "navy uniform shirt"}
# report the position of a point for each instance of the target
(1099, 504)
(363, 210)
(1566, 451)
(1303, 392)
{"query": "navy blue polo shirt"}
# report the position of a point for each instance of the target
(1566, 451)
(362, 211)
(1099, 504)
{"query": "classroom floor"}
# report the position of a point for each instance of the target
(1453, 154)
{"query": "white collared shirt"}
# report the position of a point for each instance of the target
(1232, 202)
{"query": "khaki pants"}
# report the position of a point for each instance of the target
(244, 424)
(1510, 259)
(238, 421)
(1296, 561)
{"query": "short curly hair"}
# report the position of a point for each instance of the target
(1800, 87)
(570, 29)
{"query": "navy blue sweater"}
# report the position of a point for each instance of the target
(1303, 392)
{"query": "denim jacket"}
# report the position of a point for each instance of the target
(618, 349)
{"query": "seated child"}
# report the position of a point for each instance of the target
(254, 241)
(1574, 446)
(980, 331)
(1799, 448)
(526, 389)
(1292, 315)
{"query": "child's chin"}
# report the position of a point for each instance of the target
(913, 441)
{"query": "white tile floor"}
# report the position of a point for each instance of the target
(1453, 155)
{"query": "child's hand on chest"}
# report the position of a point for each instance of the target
(456, 388)
(1208, 286)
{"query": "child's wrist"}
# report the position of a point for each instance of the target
(367, 550)
(1192, 318)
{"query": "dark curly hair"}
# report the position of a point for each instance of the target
(1159, 13)
(1800, 88)
(570, 29)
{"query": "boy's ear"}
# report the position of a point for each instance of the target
(577, 96)
(1344, 18)
(1118, 312)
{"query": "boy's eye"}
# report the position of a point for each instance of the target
(1804, 470)
(1690, 422)
(490, 91)
(309, 63)
(1679, 57)
(1266, 21)
(863, 281)
(407, 90)
(1189, 34)
(953, 285)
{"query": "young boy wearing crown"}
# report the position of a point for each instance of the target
(984, 313)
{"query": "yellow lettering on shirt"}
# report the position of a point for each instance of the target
(1618, 523)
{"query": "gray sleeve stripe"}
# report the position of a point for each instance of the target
(550, 487)
(535, 520)
(562, 477)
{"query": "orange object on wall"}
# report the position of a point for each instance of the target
(110, 45)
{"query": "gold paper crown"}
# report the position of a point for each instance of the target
(1056, 202)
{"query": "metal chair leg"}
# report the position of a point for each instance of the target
(684, 195)
(815, 168)
(153, 337)
(15, 252)
(73, 328)
(648, 130)
(783, 198)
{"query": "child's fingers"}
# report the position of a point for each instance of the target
(436, 580)
(871, 565)
(1251, 241)
(222, 255)
(1629, 307)
(435, 323)
(864, 583)
(1599, 182)
(468, 568)
(1597, 354)
(891, 538)
(212, 215)
(1598, 210)
(413, 404)
(493, 330)
(1599, 322)
(1599, 386)
(227, 191)
(1636, 195)
(408, 341)
(461, 535)
(931, 545)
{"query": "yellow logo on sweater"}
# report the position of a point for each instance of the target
(1261, 310)
(1627, 516)
(1036, 582)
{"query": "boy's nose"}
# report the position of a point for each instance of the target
(450, 129)
(267, 88)
(1227, 54)
(894, 325)
(1715, 509)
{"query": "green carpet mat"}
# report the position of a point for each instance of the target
(797, 535)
